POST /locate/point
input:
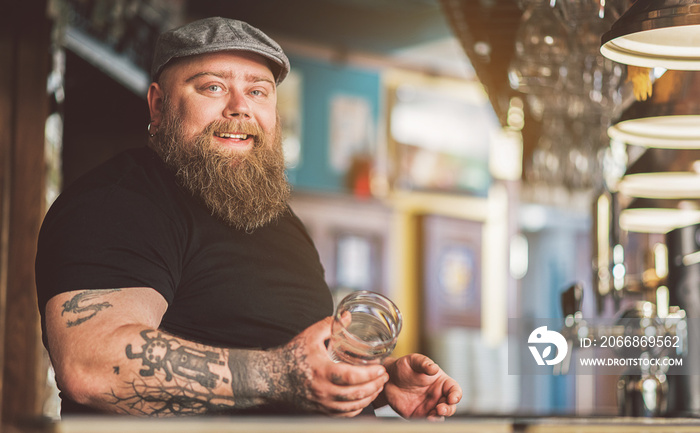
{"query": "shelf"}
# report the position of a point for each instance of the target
(117, 66)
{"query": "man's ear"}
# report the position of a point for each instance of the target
(155, 103)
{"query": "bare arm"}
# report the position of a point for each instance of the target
(108, 353)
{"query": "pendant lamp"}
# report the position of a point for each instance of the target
(656, 33)
(670, 118)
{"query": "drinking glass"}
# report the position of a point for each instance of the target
(542, 45)
(366, 326)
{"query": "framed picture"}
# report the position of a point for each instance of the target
(289, 106)
(351, 130)
(452, 277)
(438, 136)
(352, 238)
(357, 262)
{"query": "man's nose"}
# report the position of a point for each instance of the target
(237, 106)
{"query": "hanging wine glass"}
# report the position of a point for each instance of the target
(592, 75)
(598, 81)
(546, 164)
(574, 12)
(541, 47)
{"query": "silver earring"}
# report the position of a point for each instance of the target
(149, 130)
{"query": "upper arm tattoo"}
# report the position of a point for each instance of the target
(85, 305)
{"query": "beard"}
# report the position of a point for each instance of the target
(246, 189)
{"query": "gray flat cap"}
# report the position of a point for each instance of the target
(210, 35)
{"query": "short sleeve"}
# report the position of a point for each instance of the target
(108, 237)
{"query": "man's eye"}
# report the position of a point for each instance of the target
(214, 88)
(257, 93)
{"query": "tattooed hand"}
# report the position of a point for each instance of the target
(315, 383)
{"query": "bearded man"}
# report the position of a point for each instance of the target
(175, 279)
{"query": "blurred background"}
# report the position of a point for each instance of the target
(453, 155)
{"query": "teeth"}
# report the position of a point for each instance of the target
(228, 135)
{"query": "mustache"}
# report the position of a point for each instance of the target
(235, 126)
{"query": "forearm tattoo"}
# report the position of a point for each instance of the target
(85, 305)
(167, 354)
(175, 378)
(162, 399)
(279, 377)
(262, 378)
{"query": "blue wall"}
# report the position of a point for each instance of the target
(320, 82)
(559, 255)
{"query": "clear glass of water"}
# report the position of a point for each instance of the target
(366, 326)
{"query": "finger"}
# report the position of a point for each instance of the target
(356, 393)
(433, 415)
(347, 398)
(370, 390)
(444, 409)
(346, 318)
(453, 391)
(352, 408)
(346, 374)
(422, 364)
(342, 401)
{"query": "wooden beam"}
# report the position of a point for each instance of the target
(6, 121)
(24, 103)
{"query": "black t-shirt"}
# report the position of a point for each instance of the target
(129, 224)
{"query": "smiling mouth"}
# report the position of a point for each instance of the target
(231, 135)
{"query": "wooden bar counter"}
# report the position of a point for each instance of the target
(264, 425)
(369, 425)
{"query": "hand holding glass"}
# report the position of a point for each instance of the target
(365, 329)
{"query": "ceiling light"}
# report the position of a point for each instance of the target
(644, 215)
(650, 220)
(670, 185)
(655, 33)
(669, 119)
(671, 132)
